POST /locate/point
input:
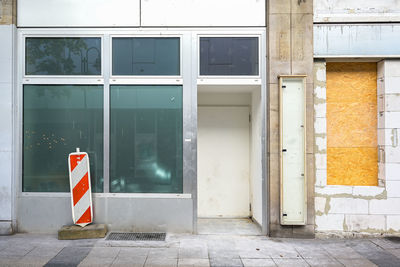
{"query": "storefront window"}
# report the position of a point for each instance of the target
(229, 56)
(57, 120)
(146, 139)
(146, 56)
(62, 56)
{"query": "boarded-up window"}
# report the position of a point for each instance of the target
(352, 124)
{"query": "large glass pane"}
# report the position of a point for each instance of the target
(145, 56)
(63, 56)
(229, 56)
(146, 139)
(57, 120)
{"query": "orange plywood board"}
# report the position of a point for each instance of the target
(351, 82)
(352, 123)
(352, 166)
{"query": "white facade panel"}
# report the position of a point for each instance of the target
(203, 13)
(354, 11)
(76, 13)
(5, 186)
(6, 129)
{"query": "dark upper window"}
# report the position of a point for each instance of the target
(229, 56)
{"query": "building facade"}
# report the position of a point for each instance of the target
(286, 112)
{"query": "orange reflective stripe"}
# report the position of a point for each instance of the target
(86, 217)
(81, 188)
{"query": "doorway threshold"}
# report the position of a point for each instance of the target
(218, 226)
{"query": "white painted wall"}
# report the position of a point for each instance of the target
(73, 13)
(203, 13)
(256, 155)
(356, 10)
(223, 161)
(134, 13)
(362, 209)
(6, 85)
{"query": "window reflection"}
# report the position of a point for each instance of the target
(146, 139)
(57, 120)
(63, 56)
(146, 56)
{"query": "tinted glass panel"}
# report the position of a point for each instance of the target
(146, 139)
(228, 56)
(57, 120)
(63, 56)
(145, 56)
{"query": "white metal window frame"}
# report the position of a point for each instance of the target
(189, 79)
(231, 79)
(147, 79)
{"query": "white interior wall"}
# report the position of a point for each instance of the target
(223, 155)
(256, 156)
(223, 99)
(249, 96)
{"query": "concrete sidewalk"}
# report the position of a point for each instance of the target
(198, 250)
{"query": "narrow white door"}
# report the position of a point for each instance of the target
(223, 162)
(292, 142)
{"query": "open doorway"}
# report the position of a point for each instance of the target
(229, 159)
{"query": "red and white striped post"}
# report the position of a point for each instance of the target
(81, 193)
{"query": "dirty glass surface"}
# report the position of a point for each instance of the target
(57, 120)
(146, 56)
(229, 56)
(146, 139)
(63, 56)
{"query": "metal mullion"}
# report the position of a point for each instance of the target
(106, 113)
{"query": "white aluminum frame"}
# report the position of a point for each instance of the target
(189, 79)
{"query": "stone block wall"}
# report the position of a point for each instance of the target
(352, 210)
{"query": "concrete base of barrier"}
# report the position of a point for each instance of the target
(69, 232)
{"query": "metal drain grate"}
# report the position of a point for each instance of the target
(137, 236)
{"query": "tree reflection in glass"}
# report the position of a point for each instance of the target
(63, 56)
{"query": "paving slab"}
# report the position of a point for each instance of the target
(39, 256)
(100, 256)
(357, 263)
(163, 253)
(375, 253)
(69, 256)
(193, 263)
(258, 263)
(395, 252)
(131, 262)
(197, 250)
(326, 262)
(160, 262)
(291, 262)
